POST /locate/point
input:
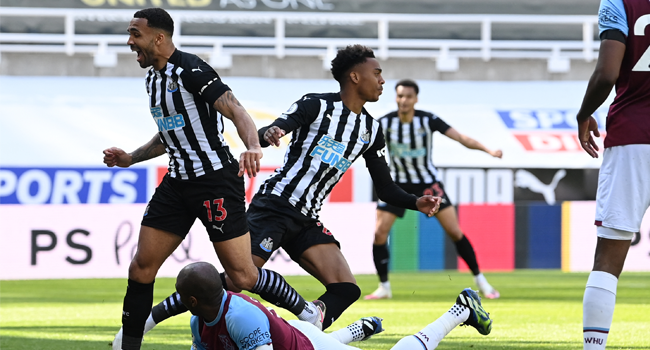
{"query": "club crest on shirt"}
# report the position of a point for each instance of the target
(225, 341)
(365, 136)
(173, 86)
(267, 244)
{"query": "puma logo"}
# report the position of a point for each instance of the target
(218, 228)
(525, 179)
(197, 69)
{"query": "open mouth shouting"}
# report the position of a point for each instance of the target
(140, 55)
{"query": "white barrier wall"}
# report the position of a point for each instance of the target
(99, 240)
(579, 239)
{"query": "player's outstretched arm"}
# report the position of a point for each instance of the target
(471, 143)
(117, 157)
(600, 85)
(249, 161)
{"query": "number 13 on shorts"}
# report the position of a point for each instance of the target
(217, 206)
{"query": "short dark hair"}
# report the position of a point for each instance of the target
(157, 18)
(349, 57)
(408, 83)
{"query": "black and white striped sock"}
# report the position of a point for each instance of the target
(272, 287)
(167, 308)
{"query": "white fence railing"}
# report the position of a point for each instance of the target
(220, 49)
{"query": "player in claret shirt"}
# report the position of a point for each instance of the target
(225, 320)
(623, 182)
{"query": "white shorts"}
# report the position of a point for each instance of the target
(320, 340)
(623, 190)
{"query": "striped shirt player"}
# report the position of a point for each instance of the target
(410, 146)
(329, 131)
(181, 99)
(409, 137)
(204, 181)
(327, 138)
(623, 194)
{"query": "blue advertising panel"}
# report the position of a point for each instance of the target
(546, 119)
(72, 185)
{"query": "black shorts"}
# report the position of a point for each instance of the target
(435, 189)
(216, 198)
(273, 225)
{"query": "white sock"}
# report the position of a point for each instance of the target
(482, 283)
(353, 332)
(431, 335)
(385, 285)
(598, 309)
(410, 343)
(149, 324)
(310, 313)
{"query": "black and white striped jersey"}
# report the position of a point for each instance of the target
(410, 146)
(327, 137)
(181, 99)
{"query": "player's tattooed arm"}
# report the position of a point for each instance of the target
(117, 157)
(249, 161)
(151, 149)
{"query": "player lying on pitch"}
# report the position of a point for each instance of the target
(227, 320)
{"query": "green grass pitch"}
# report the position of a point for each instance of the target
(538, 309)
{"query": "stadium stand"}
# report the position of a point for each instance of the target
(439, 39)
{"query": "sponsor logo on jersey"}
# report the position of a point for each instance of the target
(403, 150)
(330, 151)
(166, 123)
(267, 244)
(172, 86)
(253, 338)
(72, 185)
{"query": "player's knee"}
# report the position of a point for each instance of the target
(381, 236)
(347, 291)
(243, 279)
(142, 271)
(455, 235)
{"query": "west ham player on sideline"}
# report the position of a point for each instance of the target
(330, 131)
(187, 101)
(623, 181)
(226, 320)
(409, 137)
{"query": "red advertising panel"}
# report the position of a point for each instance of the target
(491, 229)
